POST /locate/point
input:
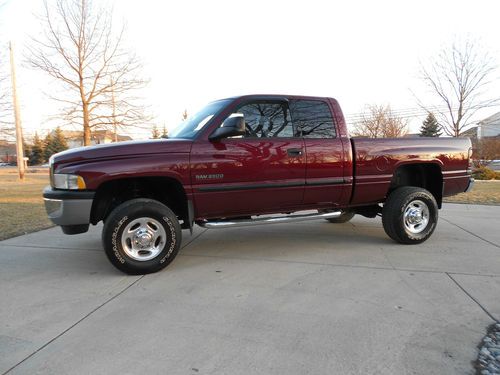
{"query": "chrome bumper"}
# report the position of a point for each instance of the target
(68, 207)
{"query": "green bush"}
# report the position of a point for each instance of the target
(485, 173)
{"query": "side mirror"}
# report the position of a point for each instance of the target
(231, 127)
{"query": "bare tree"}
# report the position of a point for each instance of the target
(486, 150)
(6, 123)
(380, 122)
(82, 52)
(459, 76)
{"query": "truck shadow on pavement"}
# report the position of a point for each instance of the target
(319, 243)
(315, 242)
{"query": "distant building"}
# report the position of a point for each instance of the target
(470, 133)
(97, 137)
(489, 127)
(411, 135)
(7, 152)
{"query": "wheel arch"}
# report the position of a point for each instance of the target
(425, 175)
(167, 190)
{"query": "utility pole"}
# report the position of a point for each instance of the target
(17, 116)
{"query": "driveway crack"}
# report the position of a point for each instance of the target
(471, 233)
(73, 325)
(193, 239)
(472, 298)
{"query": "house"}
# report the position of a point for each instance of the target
(489, 127)
(7, 152)
(75, 138)
(470, 133)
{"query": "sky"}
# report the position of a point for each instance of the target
(359, 52)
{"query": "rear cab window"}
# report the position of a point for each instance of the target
(312, 119)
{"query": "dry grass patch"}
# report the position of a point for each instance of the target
(21, 204)
(483, 192)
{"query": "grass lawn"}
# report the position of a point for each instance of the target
(483, 192)
(21, 203)
(22, 210)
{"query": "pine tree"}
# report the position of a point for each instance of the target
(164, 133)
(55, 143)
(155, 134)
(47, 146)
(27, 150)
(430, 127)
(36, 155)
(60, 143)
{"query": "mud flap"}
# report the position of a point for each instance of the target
(190, 215)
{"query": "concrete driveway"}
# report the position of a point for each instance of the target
(304, 298)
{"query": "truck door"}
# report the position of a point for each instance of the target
(260, 172)
(324, 152)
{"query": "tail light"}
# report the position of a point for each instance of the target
(470, 165)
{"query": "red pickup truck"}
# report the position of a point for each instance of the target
(246, 160)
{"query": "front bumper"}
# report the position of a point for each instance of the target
(68, 207)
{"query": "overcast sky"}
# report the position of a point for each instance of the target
(360, 52)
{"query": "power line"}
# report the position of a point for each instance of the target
(406, 112)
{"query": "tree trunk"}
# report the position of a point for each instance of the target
(86, 126)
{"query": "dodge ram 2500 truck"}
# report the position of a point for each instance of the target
(246, 160)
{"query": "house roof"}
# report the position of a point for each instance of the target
(471, 132)
(100, 134)
(493, 119)
(7, 147)
(3, 142)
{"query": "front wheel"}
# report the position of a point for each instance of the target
(141, 236)
(410, 215)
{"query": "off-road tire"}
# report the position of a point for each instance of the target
(395, 215)
(137, 209)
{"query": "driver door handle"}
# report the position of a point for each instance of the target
(294, 152)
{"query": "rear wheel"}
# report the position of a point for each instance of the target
(141, 236)
(410, 215)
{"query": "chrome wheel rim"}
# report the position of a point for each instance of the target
(416, 216)
(143, 239)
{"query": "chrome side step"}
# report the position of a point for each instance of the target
(267, 220)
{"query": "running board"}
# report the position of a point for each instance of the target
(267, 220)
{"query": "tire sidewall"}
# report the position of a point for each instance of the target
(116, 224)
(433, 216)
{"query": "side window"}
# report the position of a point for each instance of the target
(312, 119)
(267, 119)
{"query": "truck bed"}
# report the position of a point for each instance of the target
(376, 160)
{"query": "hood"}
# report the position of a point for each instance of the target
(121, 149)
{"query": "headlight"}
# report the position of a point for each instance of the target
(68, 181)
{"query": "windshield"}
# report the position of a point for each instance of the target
(189, 128)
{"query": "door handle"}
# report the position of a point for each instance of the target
(294, 152)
